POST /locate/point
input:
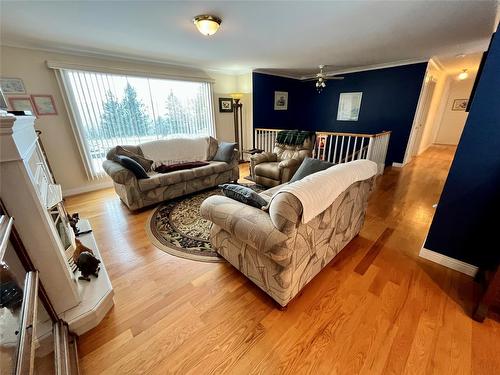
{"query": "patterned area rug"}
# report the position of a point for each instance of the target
(177, 227)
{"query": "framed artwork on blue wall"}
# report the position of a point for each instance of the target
(280, 100)
(349, 106)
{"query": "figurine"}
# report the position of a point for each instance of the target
(88, 265)
(85, 260)
(80, 248)
(73, 220)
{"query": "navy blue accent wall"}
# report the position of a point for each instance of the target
(390, 98)
(466, 221)
(264, 115)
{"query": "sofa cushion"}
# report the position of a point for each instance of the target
(165, 179)
(180, 166)
(213, 146)
(144, 162)
(310, 166)
(243, 194)
(176, 150)
(225, 152)
(270, 170)
(132, 166)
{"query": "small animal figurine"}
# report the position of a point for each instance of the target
(73, 220)
(80, 249)
(88, 265)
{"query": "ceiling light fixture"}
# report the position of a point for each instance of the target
(463, 75)
(206, 24)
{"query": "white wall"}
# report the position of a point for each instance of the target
(434, 115)
(453, 122)
(57, 134)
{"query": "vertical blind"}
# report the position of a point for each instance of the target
(113, 109)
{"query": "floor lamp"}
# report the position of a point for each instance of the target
(238, 122)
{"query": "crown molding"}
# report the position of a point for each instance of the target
(276, 74)
(434, 61)
(363, 68)
(118, 57)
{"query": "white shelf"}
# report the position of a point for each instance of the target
(54, 195)
(5, 229)
(96, 296)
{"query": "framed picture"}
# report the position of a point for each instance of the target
(3, 101)
(459, 104)
(12, 86)
(349, 106)
(280, 100)
(44, 105)
(225, 105)
(21, 104)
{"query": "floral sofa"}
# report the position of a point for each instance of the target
(138, 193)
(274, 248)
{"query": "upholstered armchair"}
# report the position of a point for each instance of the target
(277, 167)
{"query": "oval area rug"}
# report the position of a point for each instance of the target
(177, 227)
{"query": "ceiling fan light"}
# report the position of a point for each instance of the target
(206, 24)
(463, 75)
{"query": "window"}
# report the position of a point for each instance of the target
(111, 109)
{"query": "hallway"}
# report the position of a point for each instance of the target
(376, 309)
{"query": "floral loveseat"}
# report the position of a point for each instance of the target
(137, 193)
(274, 248)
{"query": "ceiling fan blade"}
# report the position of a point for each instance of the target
(334, 78)
(309, 79)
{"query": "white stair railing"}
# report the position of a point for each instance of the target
(336, 147)
(264, 139)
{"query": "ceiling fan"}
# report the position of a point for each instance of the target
(321, 78)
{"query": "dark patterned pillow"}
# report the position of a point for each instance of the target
(145, 163)
(131, 165)
(243, 194)
(310, 166)
(180, 166)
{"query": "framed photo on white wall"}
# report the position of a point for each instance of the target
(12, 86)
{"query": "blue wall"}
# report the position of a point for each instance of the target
(466, 221)
(390, 98)
(264, 115)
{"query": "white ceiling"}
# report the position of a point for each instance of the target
(284, 36)
(455, 64)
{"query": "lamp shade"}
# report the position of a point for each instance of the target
(206, 24)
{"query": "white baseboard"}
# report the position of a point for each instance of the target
(446, 261)
(87, 188)
(397, 165)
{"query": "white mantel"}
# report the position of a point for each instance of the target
(83, 304)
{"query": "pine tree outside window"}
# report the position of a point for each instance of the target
(111, 109)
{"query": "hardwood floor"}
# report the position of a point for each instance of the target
(376, 309)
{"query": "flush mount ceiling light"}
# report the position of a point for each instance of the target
(207, 24)
(463, 75)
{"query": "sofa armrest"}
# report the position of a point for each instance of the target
(248, 224)
(263, 157)
(289, 163)
(118, 172)
(288, 168)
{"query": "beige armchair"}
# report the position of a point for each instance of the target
(277, 167)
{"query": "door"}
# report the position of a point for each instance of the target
(422, 116)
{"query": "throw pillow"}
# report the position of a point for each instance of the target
(180, 166)
(243, 194)
(131, 165)
(310, 166)
(225, 152)
(145, 163)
